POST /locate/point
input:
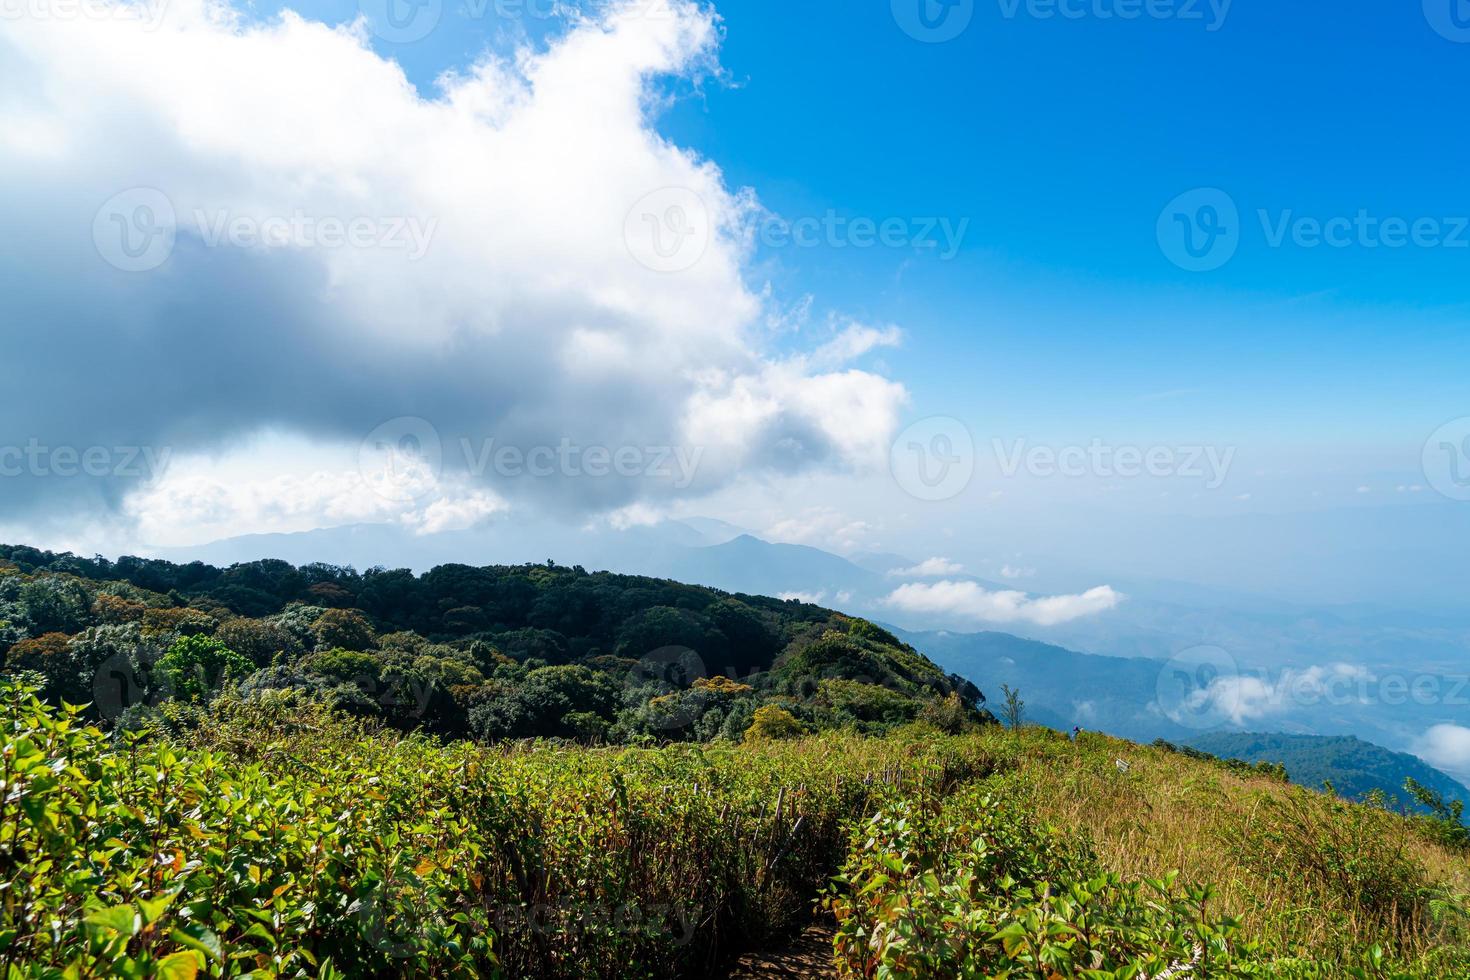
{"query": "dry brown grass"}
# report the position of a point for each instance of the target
(1307, 874)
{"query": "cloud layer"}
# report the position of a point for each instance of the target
(341, 251)
(1447, 748)
(969, 601)
(1246, 697)
(930, 568)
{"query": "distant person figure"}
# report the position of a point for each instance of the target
(1076, 732)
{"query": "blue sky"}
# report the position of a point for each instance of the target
(1060, 140)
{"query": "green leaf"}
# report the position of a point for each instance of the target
(119, 918)
(199, 938)
(183, 965)
(153, 910)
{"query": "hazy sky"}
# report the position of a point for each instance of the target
(1081, 287)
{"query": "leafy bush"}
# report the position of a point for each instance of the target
(196, 668)
(1446, 819)
(977, 889)
(771, 722)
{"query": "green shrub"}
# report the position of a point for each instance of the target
(196, 668)
(976, 889)
(282, 840)
(772, 722)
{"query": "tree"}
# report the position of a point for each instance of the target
(50, 656)
(197, 667)
(1447, 818)
(754, 642)
(114, 609)
(257, 640)
(54, 605)
(772, 722)
(951, 716)
(345, 628)
(549, 702)
(1014, 709)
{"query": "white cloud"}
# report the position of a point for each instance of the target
(812, 598)
(527, 319)
(930, 568)
(634, 515)
(1447, 748)
(820, 526)
(1016, 571)
(968, 600)
(1247, 697)
(853, 341)
(307, 485)
(455, 513)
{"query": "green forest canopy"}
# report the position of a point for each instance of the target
(492, 653)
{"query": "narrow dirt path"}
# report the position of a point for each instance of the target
(806, 955)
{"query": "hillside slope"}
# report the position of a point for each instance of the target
(273, 836)
(494, 653)
(1354, 767)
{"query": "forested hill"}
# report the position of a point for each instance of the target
(1355, 768)
(494, 652)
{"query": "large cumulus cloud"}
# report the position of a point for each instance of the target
(528, 318)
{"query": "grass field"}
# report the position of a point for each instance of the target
(274, 839)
